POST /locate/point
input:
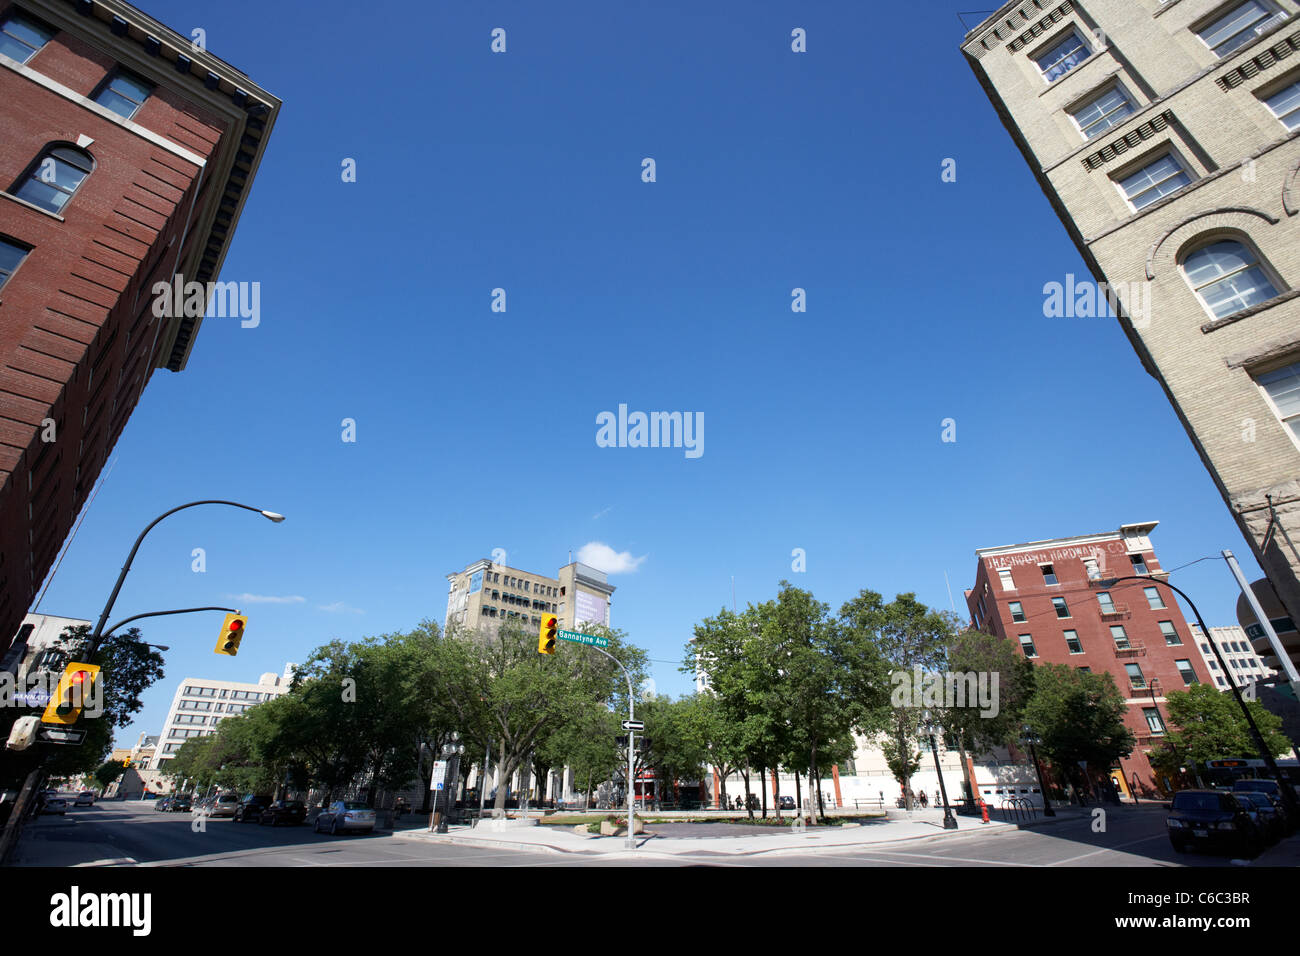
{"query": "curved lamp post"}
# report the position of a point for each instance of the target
(451, 752)
(1288, 794)
(949, 821)
(97, 634)
(1030, 738)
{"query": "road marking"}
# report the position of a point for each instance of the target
(119, 861)
(946, 859)
(1108, 849)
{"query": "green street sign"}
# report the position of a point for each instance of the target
(577, 637)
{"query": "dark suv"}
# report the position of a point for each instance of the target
(251, 807)
(1213, 819)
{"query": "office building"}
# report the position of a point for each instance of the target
(127, 157)
(201, 703)
(1164, 133)
(1245, 665)
(485, 594)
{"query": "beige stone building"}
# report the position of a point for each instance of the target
(484, 595)
(1166, 135)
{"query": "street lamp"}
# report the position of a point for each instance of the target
(1030, 738)
(1288, 795)
(451, 752)
(97, 634)
(949, 821)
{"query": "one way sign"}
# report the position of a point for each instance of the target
(634, 725)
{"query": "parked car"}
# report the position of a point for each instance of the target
(162, 804)
(1212, 819)
(85, 799)
(225, 805)
(344, 815)
(180, 805)
(1266, 813)
(787, 802)
(250, 808)
(289, 812)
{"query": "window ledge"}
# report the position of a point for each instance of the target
(24, 202)
(1166, 7)
(1277, 300)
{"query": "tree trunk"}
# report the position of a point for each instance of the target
(798, 794)
(762, 776)
(748, 809)
(905, 761)
(504, 770)
(816, 779)
(967, 783)
(776, 791)
(723, 789)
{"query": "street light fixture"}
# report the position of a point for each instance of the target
(949, 821)
(97, 634)
(1030, 738)
(451, 752)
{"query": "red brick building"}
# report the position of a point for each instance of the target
(1043, 595)
(127, 156)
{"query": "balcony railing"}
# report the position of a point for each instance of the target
(1116, 612)
(1133, 649)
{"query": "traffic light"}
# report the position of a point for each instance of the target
(74, 690)
(232, 632)
(546, 634)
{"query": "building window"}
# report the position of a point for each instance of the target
(1093, 569)
(1189, 675)
(1102, 112)
(1153, 599)
(1154, 723)
(1135, 676)
(1170, 632)
(1285, 105)
(1049, 574)
(1283, 388)
(1063, 57)
(1062, 609)
(55, 177)
(1004, 576)
(1017, 611)
(1072, 642)
(1214, 665)
(21, 37)
(1027, 645)
(1154, 181)
(1139, 563)
(1221, 682)
(1121, 637)
(1107, 605)
(124, 93)
(1239, 26)
(11, 257)
(1228, 277)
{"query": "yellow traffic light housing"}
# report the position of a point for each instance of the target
(76, 687)
(232, 632)
(546, 634)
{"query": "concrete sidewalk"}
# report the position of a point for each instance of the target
(900, 826)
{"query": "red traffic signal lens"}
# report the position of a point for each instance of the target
(236, 625)
(80, 677)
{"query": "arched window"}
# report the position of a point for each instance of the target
(55, 178)
(1228, 276)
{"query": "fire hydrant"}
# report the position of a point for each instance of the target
(984, 812)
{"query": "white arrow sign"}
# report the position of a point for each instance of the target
(634, 725)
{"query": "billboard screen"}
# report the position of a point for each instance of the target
(590, 607)
(476, 582)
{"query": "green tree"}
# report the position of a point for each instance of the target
(1210, 726)
(1079, 716)
(903, 637)
(107, 772)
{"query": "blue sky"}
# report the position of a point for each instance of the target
(476, 430)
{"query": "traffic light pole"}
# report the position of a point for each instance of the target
(184, 610)
(97, 634)
(631, 749)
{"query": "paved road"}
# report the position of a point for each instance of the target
(134, 833)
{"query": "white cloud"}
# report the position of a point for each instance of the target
(338, 607)
(267, 599)
(604, 558)
(600, 514)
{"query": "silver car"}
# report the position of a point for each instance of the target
(344, 815)
(224, 806)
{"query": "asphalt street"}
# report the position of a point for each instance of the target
(133, 833)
